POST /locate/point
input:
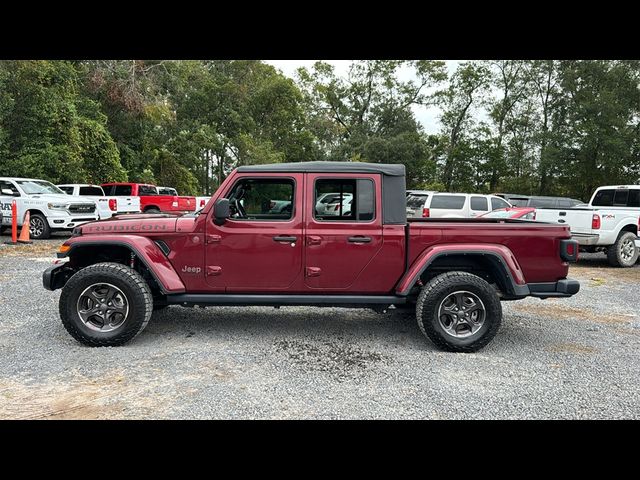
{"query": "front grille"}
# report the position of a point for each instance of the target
(82, 208)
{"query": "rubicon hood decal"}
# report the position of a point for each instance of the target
(133, 225)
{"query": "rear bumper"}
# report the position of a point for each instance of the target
(586, 238)
(562, 288)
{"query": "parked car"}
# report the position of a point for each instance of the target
(609, 223)
(416, 201)
(452, 205)
(538, 201)
(454, 273)
(150, 200)
(107, 206)
(50, 208)
(523, 213)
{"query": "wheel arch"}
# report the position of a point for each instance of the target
(488, 264)
(629, 227)
(33, 211)
(148, 255)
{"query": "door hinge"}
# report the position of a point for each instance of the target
(313, 271)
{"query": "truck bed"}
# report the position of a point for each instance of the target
(535, 245)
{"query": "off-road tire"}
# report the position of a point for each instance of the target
(42, 222)
(137, 293)
(614, 252)
(435, 292)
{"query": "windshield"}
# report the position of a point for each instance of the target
(416, 201)
(36, 187)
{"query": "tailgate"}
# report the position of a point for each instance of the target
(187, 203)
(578, 220)
(128, 204)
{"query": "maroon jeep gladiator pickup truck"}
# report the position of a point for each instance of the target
(265, 238)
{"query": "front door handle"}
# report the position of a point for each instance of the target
(285, 239)
(359, 240)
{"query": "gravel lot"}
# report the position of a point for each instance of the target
(570, 358)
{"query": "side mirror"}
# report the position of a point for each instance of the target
(7, 191)
(221, 211)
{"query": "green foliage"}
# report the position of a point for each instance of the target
(533, 127)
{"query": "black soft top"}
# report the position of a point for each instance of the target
(394, 196)
(328, 167)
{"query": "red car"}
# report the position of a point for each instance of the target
(150, 200)
(523, 213)
(240, 251)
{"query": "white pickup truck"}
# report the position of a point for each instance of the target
(610, 222)
(107, 206)
(49, 207)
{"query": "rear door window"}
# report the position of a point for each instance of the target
(67, 190)
(479, 204)
(447, 202)
(345, 199)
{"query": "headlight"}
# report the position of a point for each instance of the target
(57, 206)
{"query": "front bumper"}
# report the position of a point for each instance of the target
(562, 288)
(56, 276)
(67, 222)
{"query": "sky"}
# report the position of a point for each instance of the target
(427, 116)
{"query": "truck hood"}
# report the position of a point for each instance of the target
(60, 198)
(132, 223)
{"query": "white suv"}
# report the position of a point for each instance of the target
(428, 204)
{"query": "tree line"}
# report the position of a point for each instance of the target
(534, 127)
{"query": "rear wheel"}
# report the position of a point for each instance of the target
(459, 312)
(624, 252)
(39, 227)
(106, 304)
(152, 210)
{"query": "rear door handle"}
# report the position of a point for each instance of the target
(284, 239)
(359, 240)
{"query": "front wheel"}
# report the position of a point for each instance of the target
(39, 227)
(624, 252)
(106, 304)
(459, 312)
